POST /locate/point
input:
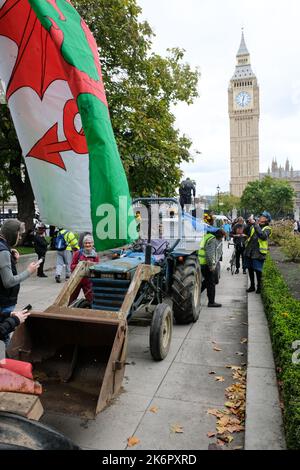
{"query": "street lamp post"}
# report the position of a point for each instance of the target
(218, 189)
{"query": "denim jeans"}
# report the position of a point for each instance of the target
(4, 314)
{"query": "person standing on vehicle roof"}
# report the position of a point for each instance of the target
(187, 188)
(208, 259)
(65, 243)
(257, 247)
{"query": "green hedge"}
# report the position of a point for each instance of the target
(283, 312)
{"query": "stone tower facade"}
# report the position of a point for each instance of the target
(243, 104)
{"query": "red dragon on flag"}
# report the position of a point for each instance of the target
(50, 69)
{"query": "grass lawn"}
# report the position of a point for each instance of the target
(25, 250)
(289, 270)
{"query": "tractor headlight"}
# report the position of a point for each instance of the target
(123, 276)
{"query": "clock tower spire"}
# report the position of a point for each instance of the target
(243, 103)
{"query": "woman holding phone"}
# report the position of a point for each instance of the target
(9, 278)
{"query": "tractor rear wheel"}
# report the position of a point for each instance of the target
(187, 291)
(161, 331)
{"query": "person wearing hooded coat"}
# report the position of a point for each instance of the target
(9, 278)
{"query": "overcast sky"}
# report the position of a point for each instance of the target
(210, 32)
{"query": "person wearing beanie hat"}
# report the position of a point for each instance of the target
(208, 258)
(86, 253)
(9, 278)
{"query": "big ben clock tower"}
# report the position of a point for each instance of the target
(243, 100)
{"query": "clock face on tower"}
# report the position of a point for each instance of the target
(243, 99)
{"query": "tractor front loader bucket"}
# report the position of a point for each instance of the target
(78, 354)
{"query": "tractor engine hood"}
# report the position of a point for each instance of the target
(120, 265)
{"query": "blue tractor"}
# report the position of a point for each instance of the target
(171, 288)
(79, 351)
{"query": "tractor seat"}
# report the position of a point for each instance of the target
(159, 247)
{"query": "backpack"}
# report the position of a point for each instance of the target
(60, 242)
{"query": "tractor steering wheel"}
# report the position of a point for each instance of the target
(138, 247)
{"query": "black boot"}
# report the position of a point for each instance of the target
(258, 276)
(251, 276)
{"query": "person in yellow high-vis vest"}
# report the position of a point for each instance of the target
(208, 259)
(66, 243)
(257, 248)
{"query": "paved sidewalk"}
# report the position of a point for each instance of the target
(180, 386)
(264, 424)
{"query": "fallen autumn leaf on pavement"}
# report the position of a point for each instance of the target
(176, 428)
(220, 443)
(154, 409)
(132, 441)
(217, 349)
(215, 412)
(231, 419)
(220, 379)
(224, 421)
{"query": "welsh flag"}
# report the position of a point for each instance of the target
(50, 71)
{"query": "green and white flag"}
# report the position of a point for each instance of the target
(50, 70)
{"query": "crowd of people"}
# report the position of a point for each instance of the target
(250, 239)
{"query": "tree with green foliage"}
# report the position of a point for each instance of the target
(5, 191)
(227, 203)
(13, 173)
(141, 88)
(274, 195)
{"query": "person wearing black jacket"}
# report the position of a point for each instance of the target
(239, 238)
(40, 247)
(9, 278)
(187, 188)
(9, 325)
